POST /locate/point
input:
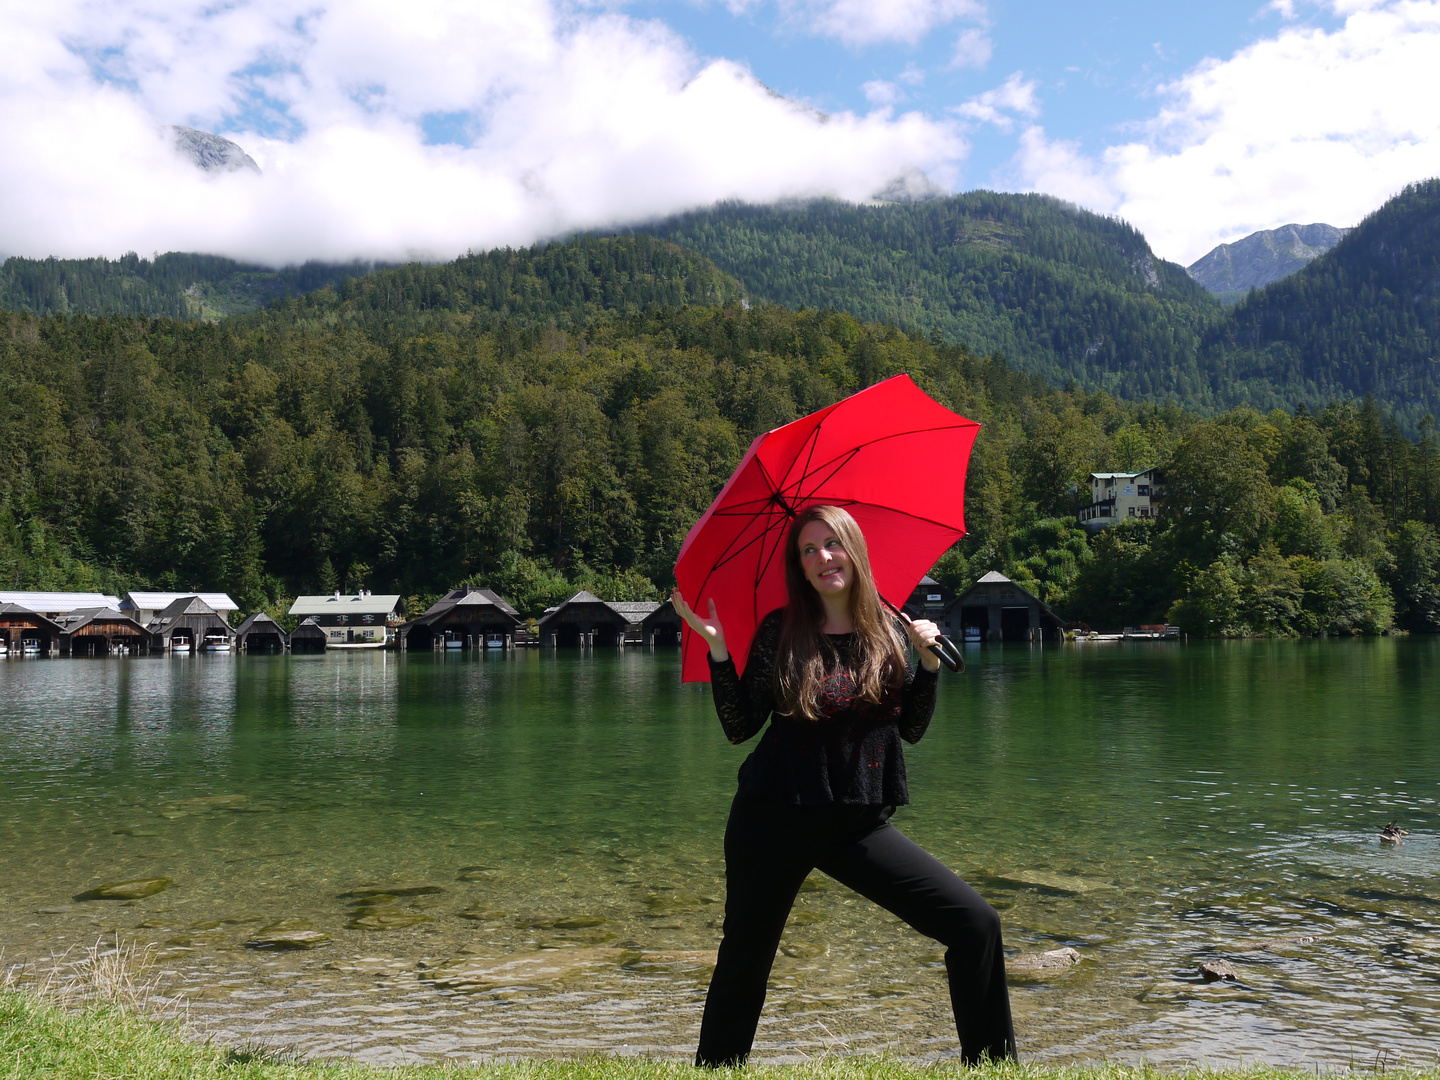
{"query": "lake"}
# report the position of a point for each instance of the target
(543, 830)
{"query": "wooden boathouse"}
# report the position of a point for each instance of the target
(25, 631)
(997, 609)
(584, 619)
(189, 624)
(467, 618)
(144, 607)
(260, 633)
(932, 601)
(661, 626)
(101, 632)
(308, 637)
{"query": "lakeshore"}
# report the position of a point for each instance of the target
(516, 853)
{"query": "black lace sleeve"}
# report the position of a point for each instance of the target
(744, 703)
(917, 705)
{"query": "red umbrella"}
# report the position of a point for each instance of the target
(891, 455)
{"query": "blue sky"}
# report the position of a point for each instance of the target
(425, 129)
(1097, 66)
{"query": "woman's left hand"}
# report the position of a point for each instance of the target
(924, 633)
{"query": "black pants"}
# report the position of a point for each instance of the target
(769, 850)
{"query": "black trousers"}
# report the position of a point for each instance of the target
(769, 850)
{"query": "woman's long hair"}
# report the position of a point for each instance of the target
(877, 657)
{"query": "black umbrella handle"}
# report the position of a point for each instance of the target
(944, 648)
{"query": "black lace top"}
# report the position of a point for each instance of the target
(852, 754)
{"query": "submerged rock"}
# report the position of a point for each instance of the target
(385, 918)
(58, 909)
(127, 890)
(1053, 960)
(478, 873)
(1276, 943)
(473, 974)
(564, 922)
(804, 950)
(480, 913)
(1065, 883)
(687, 957)
(1216, 970)
(393, 890)
(660, 906)
(288, 934)
(807, 918)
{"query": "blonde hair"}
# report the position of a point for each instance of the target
(878, 657)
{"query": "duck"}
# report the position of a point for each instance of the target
(1393, 834)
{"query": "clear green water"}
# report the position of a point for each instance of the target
(1196, 802)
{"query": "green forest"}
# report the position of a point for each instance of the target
(543, 420)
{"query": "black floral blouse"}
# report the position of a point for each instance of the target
(851, 755)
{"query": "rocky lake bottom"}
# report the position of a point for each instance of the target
(401, 859)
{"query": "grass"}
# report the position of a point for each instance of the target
(94, 1018)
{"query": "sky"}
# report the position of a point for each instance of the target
(427, 128)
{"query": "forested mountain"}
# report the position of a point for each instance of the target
(1066, 293)
(1230, 271)
(364, 442)
(1364, 318)
(174, 285)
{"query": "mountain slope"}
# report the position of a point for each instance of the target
(175, 285)
(1066, 293)
(1364, 318)
(1231, 270)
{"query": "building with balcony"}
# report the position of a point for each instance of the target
(1121, 496)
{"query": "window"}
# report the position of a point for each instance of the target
(1132, 511)
(368, 618)
(343, 619)
(1145, 490)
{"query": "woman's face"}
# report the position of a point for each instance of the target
(823, 557)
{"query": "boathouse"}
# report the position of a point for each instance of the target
(363, 621)
(308, 637)
(189, 624)
(634, 612)
(661, 626)
(145, 606)
(467, 618)
(261, 633)
(584, 619)
(51, 604)
(932, 601)
(24, 631)
(997, 609)
(101, 632)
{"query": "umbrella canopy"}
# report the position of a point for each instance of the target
(891, 455)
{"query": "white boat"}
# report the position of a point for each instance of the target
(972, 633)
(180, 645)
(453, 640)
(216, 643)
(30, 646)
(4, 648)
(495, 641)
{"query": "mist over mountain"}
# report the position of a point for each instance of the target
(1232, 270)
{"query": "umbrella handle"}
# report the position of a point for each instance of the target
(944, 648)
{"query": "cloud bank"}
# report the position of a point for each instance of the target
(388, 131)
(1307, 126)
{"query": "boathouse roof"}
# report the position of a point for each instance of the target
(159, 601)
(364, 603)
(45, 602)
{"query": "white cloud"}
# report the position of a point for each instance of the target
(579, 119)
(973, 48)
(1310, 125)
(882, 93)
(1014, 95)
(868, 22)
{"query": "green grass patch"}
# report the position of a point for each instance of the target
(41, 1039)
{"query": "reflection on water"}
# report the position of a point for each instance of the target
(520, 853)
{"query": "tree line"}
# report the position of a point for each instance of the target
(407, 450)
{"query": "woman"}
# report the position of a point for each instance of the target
(831, 667)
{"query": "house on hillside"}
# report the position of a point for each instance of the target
(932, 601)
(464, 618)
(997, 609)
(1120, 496)
(361, 621)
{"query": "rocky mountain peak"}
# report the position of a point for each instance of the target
(211, 152)
(1263, 257)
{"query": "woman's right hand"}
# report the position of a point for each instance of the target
(709, 629)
